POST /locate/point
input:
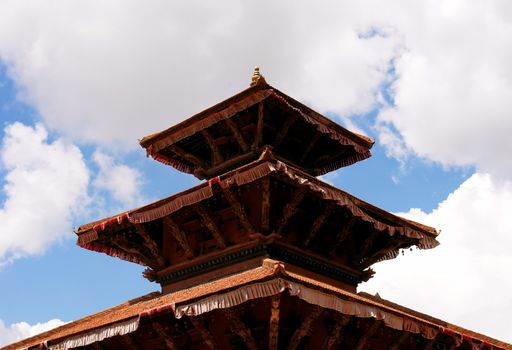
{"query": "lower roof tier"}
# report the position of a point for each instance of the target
(265, 204)
(267, 307)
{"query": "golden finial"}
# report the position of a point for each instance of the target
(255, 76)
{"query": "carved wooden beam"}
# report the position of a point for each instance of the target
(265, 204)
(363, 341)
(130, 342)
(239, 328)
(368, 243)
(151, 245)
(238, 209)
(124, 244)
(290, 208)
(284, 130)
(342, 235)
(273, 332)
(198, 163)
(311, 144)
(159, 329)
(318, 223)
(179, 235)
(237, 134)
(398, 341)
(216, 155)
(208, 222)
(258, 135)
(305, 327)
(336, 334)
(205, 332)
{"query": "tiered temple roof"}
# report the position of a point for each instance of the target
(261, 255)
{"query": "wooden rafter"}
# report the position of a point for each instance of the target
(290, 208)
(216, 154)
(151, 245)
(179, 235)
(398, 341)
(198, 163)
(258, 134)
(311, 144)
(336, 334)
(284, 130)
(304, 328)
(342, 235)
(318, 223)
(368, 243)
(273, 332)
(239, 328)
(265, 204)
(237, 134)
(208, 222)
(124, 244)
(238, 209)
(379, 254)
(366, 337)
(159, 329)
(204, 331)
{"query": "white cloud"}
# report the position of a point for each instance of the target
(115, 71)
(120, 180)
(466, 280)
(22, 330)
(453, 92)
(45, 183)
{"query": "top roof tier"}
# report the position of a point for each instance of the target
(235, 131)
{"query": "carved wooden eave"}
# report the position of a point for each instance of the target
(234, 132)
(228, 220)
(268, 307)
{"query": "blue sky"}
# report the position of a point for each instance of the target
(431, 83)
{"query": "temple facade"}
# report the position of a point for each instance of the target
(262, 254)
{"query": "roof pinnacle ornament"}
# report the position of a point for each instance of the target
(256, 76)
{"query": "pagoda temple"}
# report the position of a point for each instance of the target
(262, 254)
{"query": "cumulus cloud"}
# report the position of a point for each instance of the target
(453, 87)
(114, 71)
(45, 184)
(121, 181)
(466, 280)
(22, 330)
